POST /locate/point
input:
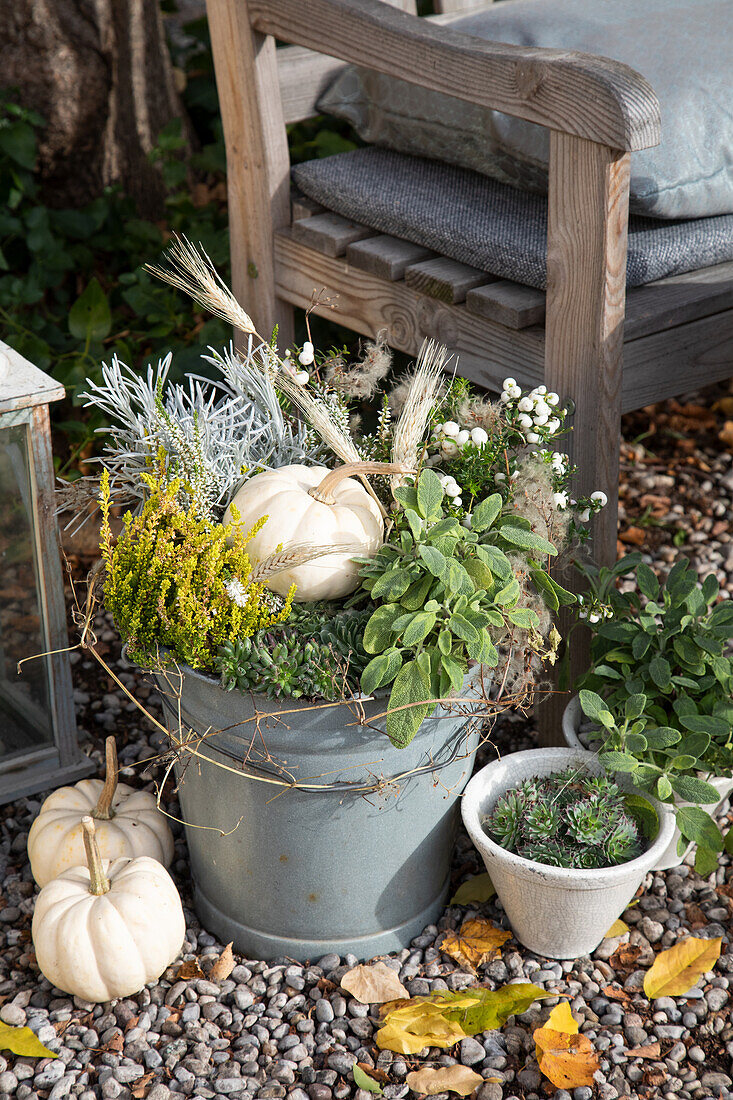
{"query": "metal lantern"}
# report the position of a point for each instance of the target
(38, 745)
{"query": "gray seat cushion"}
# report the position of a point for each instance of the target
(684, 48)
(490, 225)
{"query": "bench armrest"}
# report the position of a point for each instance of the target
(575, 93)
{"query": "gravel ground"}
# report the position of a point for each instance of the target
(280, 1029)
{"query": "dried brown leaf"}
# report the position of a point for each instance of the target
(223, 966)
(374, 985)
(569, 1061)
(458, 1079)
(189, 970)
(674, 972)
(477, 942)
(651, 1050)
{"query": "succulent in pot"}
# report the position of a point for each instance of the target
(593, 857)
(660, 694)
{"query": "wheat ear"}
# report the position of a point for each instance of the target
(292, 556)
(192, 271)
(420, 401)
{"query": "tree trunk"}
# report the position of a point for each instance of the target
(100, 74)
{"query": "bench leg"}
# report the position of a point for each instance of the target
(586, 286)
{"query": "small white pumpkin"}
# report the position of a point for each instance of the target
(129, 823)
(317, 506)
(107, 929)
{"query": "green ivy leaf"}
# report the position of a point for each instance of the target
(419, 628)
(527, 540)
(664, 788)
(411, 686)
(436, 562)
(90, 317)
(362, 1080)
(463, 628)
(706, 861)
(392, 584)
(662, 738)
(618, 762)
(454, 670)
(660, 672)
(378, 630)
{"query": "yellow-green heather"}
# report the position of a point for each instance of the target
(167, 579)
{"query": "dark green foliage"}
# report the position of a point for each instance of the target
(566, 820)
(73, 290)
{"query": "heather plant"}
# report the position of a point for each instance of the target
(568, 819)
(176, 581)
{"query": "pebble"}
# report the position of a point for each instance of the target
(472, 1052)
(269, 1032)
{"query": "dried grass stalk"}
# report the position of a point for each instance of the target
(192, 271)
(421, 398)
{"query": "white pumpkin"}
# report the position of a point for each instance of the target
(317, 506)
(128, 822)
(107, 929)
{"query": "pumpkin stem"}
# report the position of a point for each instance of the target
(324, 491)
(98, 881)
(103, 810)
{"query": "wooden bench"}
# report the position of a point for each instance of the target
(583, 338)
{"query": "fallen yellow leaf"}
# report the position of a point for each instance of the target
(569, 1061)
(458, 1079)
(725, 435)
(444, 1018)
(618, 928)
(223, 966)
(407, 1030)
(373, 985)
(562, 1019)
(479, 888)
(675, 971)
(22, 1041)
(476, 943)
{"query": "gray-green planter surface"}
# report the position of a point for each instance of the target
(303, 873)
(557, 912)
(571, 721)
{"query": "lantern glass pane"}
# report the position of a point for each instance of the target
(25, 711)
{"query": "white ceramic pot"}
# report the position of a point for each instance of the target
(557, 912)
(571, 720)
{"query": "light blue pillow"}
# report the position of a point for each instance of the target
(684, 48)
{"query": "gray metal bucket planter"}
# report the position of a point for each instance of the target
(331, 868)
